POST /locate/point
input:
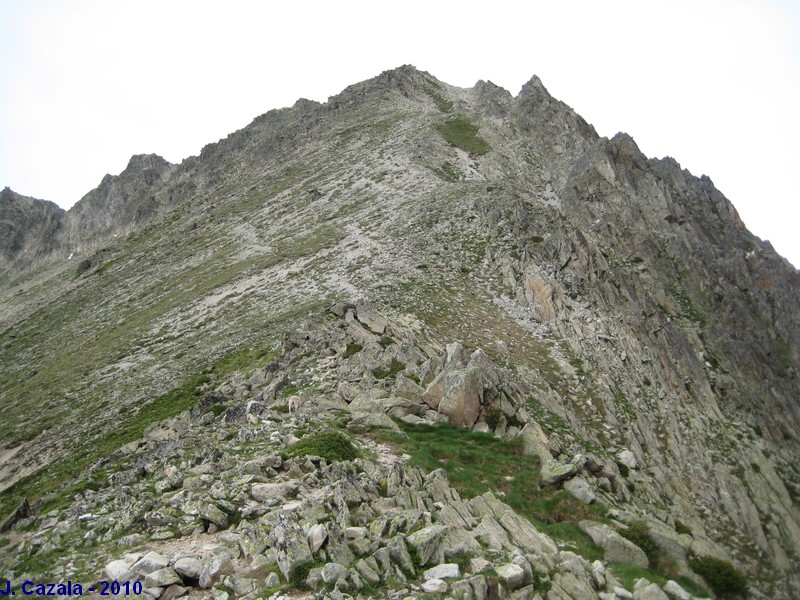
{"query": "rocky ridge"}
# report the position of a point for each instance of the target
(621, 298)
(212, 499)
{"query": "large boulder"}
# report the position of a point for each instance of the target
(464, 393)
(290, 545)
(615, 547)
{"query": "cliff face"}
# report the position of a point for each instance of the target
(28, 227)
(637, 321)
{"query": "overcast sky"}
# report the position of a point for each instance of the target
(84, 84)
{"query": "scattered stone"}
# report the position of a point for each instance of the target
(333, 572)
(355, 533)
(264, 492)
(443, 571)
(162, 578)
(434, 586)
(150, 562)
(188, 567)
(674, 590)
(117, 570)
(580, 489)
(651, 591)
(627, 458)
(513, 576)
(316, 537)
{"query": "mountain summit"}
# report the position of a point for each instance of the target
(276, 365)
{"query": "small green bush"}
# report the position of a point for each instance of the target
(493, 415)
(217, 409)
(330, 445)
(638, 533)
(624, 469)
(299, 575)
(682, 527)
(352, 349)
(394, 368)
(720, 575)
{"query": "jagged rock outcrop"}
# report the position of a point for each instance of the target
(28, 228)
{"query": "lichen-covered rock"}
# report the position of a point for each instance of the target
(289, 545)
(427, 543)
(162, 578)
(264, 492)
(317, 535)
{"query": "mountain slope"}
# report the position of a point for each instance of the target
(637, 314)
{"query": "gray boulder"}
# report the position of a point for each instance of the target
(290, 545)
(615, 547)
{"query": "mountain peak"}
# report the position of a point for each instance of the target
(484, 265)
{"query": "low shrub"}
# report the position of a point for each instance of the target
(352, 349)
(638, 533)
(682, 527)
(330, 445)
(721, 576)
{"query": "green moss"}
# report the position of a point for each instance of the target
(463, 133)
(447, 172)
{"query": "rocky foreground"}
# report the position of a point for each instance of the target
(239, 498)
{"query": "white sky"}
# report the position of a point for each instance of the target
(84, 84)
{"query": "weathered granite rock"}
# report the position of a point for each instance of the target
(317, 535)
(512, 576)
(188, 567)
(150, 562)
(161, 578)
(580, 489)
(615, 547)
(264, 492)
(443, 571)
(427, 543)
(289, 545)
(434, 586)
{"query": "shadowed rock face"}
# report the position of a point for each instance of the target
(28, 227)
(495, 263)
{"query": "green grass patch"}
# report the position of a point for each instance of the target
(479, 462)
(330, 445)
(463, 133)
(442, 103)
(638, 533)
